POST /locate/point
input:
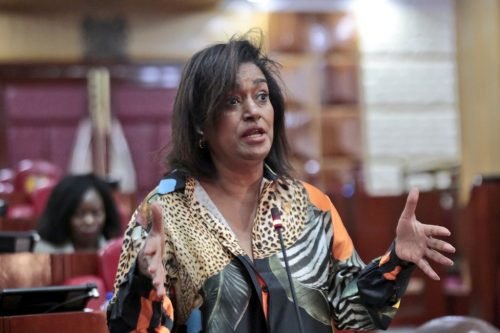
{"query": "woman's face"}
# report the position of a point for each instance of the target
(88, 220)
(244, 131)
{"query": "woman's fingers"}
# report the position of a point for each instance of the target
(427, 269)
(155, 268)
(150, 246)
(157, 219)
(439, 245)
(159, 282)
(436, 230)
(438, 257)
(151, 256)
(411, 205)
(432, 252)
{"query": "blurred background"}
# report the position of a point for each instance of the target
(382, 96)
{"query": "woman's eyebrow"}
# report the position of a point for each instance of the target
(255, 82)
(259, 80)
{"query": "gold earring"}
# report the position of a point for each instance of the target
(202, 143)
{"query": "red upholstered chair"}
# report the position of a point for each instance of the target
(7, 175)
(6, 183)
(108, 262)
(33, 174)
(21, 212)
(39, 198)
(7, 186)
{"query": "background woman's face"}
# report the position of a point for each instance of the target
(244, 130)
(88, 220)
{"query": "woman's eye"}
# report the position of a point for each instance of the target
(263, 97)
(232, 100)
(94, 213)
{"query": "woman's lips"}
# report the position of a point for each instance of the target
(254, 135)
(89, 233)
(256, 131)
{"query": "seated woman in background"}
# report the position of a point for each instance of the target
(80, 216)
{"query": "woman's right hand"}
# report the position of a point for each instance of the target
(151, 255)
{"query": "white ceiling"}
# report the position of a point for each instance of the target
(57, 5)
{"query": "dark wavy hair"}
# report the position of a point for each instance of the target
(54, 224)
(206, 79)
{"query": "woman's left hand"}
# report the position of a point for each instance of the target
(415, 241)
(151, 256)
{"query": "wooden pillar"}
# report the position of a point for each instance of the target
(478, 49)
(100, 115)
(3, 130)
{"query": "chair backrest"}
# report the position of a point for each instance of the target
(108, 262)
(7, 175)
(7, 186)
(39, 198)
(30, 177)
(34, 174)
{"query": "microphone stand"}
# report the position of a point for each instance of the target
(94, 293)
(278, 226)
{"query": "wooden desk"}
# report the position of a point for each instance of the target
(23, 270)
(65, 266)
(19, 270)
(74, 322)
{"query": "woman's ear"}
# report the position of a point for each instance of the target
(202, 141)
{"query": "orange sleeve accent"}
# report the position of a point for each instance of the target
(168, 306)
(385, 258)
(342, 243)
(392, 274)
(144, 315)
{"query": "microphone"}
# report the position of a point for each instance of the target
(94, 293)
(278, 226)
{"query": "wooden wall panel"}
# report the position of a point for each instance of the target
(42, 105)
(145, 115)
(483, 248)
(42, 119)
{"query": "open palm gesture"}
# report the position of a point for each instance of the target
(151, 257)
(415, 241)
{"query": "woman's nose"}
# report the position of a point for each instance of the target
(89, 219)
(251, 110)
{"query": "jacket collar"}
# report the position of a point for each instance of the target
(175, 180)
